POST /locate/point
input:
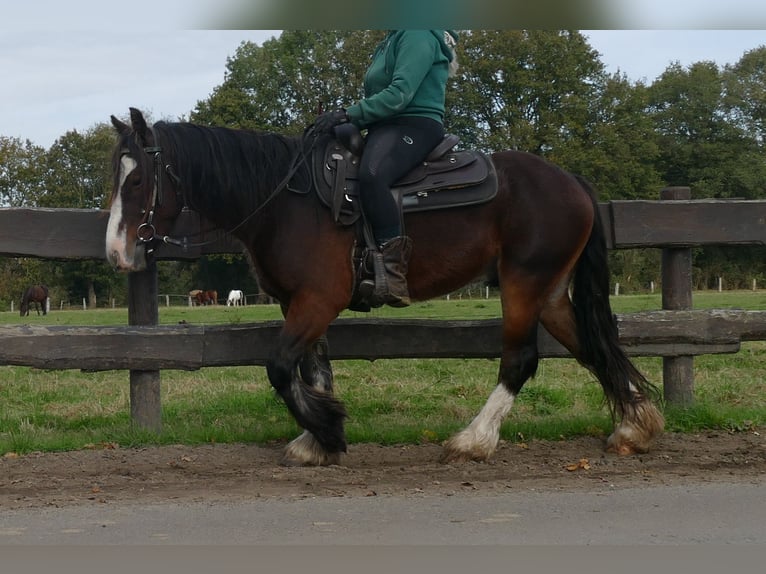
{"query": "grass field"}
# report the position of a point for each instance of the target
(389, 401)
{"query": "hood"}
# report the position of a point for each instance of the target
(447, 40)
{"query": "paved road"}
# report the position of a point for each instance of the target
(691, 514)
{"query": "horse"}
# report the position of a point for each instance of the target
(200, 297)
(36, 294)
(235, 298)
(540, 236)
(194, 297)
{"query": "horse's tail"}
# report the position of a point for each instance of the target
(624, 386)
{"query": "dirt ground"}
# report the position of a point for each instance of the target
(109, 475)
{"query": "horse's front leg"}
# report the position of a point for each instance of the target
(315, 370)
(301, 375)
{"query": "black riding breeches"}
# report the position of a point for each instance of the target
(391, 150)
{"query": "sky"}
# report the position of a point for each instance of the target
(61, 72)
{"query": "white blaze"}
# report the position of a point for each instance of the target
(116, 237)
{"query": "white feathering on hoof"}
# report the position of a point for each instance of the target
(637, 430)
(479, 440)
(306, 451)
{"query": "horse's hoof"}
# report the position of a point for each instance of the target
(325, 460)
(449, 457)
(621, 449)
(306, 451)
(619, 445)
(452, 455)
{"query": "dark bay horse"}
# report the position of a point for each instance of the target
(38, 296)
(540, 235)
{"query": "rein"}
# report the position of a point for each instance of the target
(147, 233)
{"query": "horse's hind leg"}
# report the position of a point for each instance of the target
(478, 441)
(640, 419)
(315, 369)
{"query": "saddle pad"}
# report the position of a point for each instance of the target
(455, 179)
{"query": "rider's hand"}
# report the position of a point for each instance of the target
(328, 120)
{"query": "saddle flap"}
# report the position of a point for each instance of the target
(468, 176)
(452, 162)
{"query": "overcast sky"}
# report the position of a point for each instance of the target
(60, 74)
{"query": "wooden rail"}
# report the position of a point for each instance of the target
(189, 346)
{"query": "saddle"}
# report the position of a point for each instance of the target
(446, 178)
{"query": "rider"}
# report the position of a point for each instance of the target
(403, 112)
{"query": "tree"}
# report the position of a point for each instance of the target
(78, 169)
(710, 141)
(78, 175)
(527, 90)
(745, 104)
(21, 169)
(699, 146)
(618, 148)
(745, 84)
(283, 84)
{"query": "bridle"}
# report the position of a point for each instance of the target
(146, 233)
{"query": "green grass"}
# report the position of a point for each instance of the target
(389, 401)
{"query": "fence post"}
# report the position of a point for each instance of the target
(145, 408)
(677, 372)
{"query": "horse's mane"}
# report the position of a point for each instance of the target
(221, 170)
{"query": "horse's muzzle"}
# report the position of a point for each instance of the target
(120, 260)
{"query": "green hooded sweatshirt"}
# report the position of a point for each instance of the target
(407, 77)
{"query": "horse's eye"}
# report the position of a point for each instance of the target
(134, 182)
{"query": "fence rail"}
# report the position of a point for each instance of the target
(676, 333)
(190, 347)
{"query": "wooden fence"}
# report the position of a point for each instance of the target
(674, 224)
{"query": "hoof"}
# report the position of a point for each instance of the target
(306, 451)
(623, 449)
(624, 442)
(457, 450)
(449, 457)
(636, 433)
(326, 460)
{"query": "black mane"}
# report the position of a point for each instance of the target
(225, 173)
(225, 170)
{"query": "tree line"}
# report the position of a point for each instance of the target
(542, 91)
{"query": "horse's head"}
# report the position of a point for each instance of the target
(140, 211)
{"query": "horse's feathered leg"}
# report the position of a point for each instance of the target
(300, 348)
(629, 393)
(315, 369)
(518, 363)
(585, 325)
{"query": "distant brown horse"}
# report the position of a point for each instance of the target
(194, 295)
(36, 294)
(539, 235)
(200, 297)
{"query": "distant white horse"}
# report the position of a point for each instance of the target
(236, 298)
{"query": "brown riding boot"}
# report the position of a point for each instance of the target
(396, 256)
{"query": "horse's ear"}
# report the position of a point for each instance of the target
(139, 124)
(121, 127)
